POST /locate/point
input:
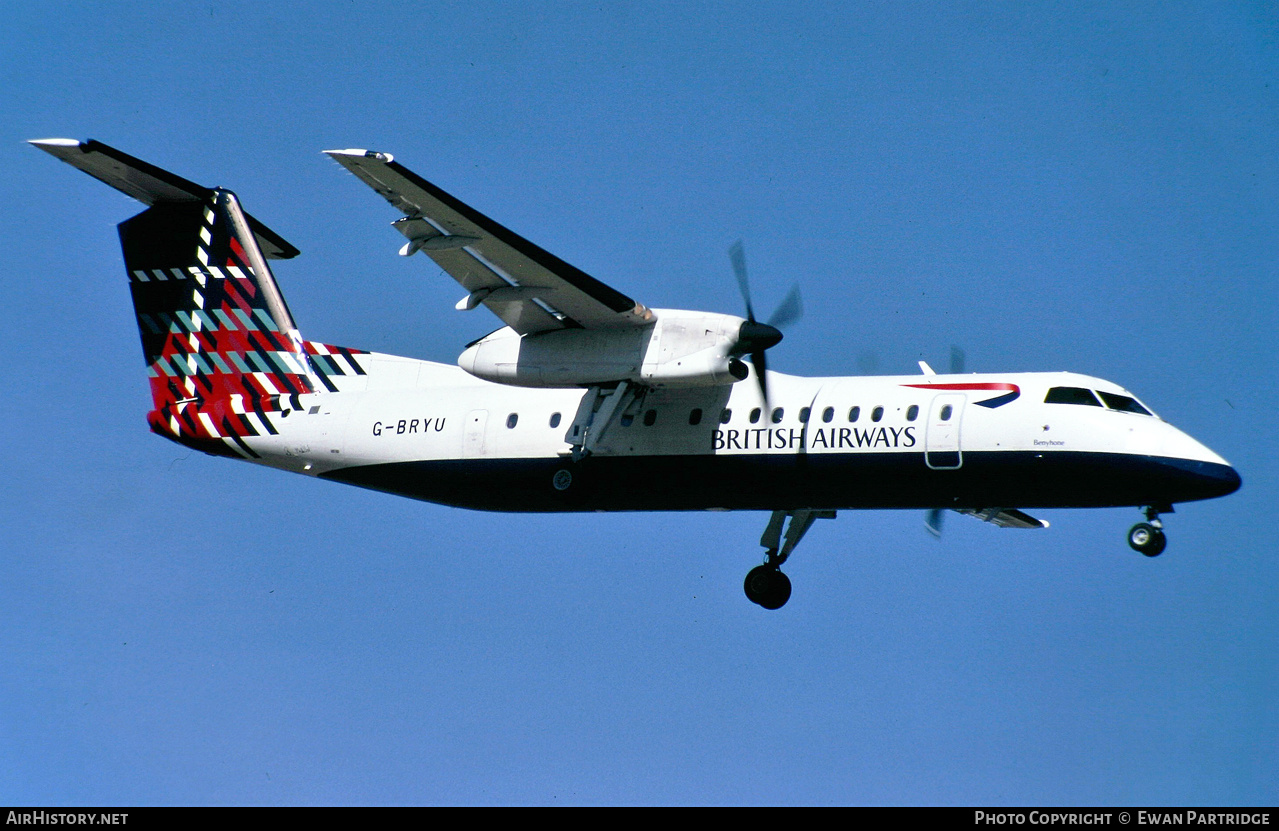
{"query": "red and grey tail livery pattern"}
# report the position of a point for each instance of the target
(1011, 392)
(222, 352)
(220, 426)
(327, 361)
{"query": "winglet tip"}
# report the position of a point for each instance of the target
(54, 145)
(368, 154)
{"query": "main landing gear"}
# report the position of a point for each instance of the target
(766, 585)
(1148, 537)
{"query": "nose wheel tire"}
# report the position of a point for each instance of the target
(768, 587)
(1147, 539)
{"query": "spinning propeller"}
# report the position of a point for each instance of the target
(754, 338)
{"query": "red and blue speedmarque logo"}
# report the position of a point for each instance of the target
(1010, 391)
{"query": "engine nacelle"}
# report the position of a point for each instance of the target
(679, 349)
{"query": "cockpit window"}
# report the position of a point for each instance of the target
(1071, 395)
(1123, 403)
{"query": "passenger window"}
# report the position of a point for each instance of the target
(755, 415)
(854, 413)
(627, 419)
(555, 420)
(695, 417)
(1123, 403)
(876, 414)
(912, 412)
(777, 415)
(803, 415)
(512, 420)
(946, 412)
(1071, 395)
(828, 414)
(725, 416)
(650, 418)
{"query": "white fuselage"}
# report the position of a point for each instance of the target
(928, 440)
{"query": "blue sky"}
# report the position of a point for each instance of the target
(1088, 187)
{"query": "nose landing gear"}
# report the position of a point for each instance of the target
(1148, 537)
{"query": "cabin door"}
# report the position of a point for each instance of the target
(942, 449)
(473, 440)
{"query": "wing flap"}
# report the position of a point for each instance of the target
(478, 277)
(487, 255)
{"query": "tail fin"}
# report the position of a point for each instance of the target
(223, 353)
(220, 344)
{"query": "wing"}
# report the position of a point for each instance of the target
(529, 288)
(1006, 518)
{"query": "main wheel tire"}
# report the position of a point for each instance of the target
(768, 587)
(1147, 539)
(779, 592)
(756, 585)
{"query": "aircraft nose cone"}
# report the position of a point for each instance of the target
(1203, 473)
(1224, 479)
(756, 337)
(1197, 479)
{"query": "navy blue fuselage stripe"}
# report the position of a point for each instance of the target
(1002, 479)
(999, 401)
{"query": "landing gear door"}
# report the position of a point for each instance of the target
(473, 440)
(941, 443)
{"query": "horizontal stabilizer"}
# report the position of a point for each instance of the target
(149, 184)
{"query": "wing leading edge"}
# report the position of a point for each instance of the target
(529, 288)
